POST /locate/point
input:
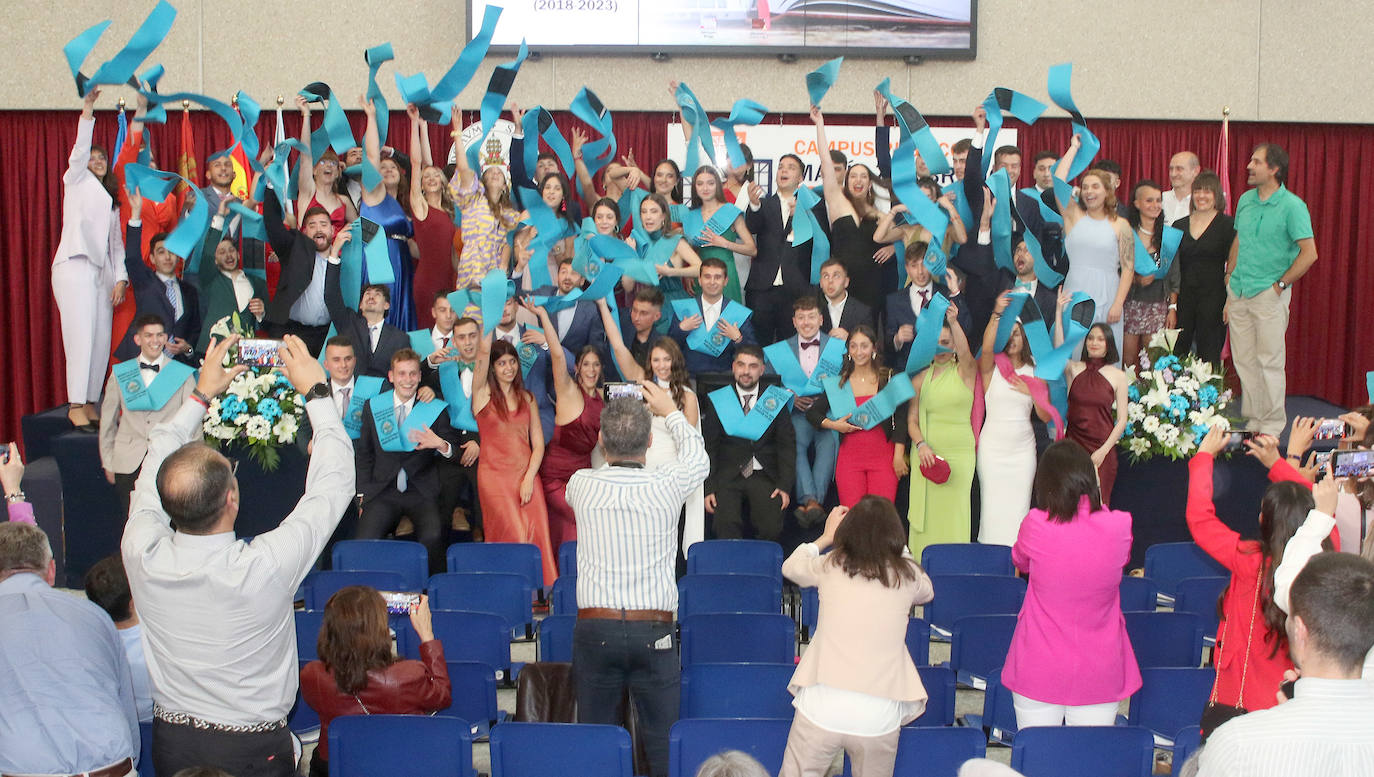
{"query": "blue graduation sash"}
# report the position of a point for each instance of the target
(1046, 212)
(695, 117)
(422, 342)
(655, 250)
(459, 404)
(789, 367)
(1168, 247)
(1061, 92)
(746, 112)
(714, 341)
(159, 390)
(589, 108)
(1001, 99)
(751, 426)
(929, 322)
(877, 409)
(491, 299)
(396, 438)
(720, 221)
(365, 387)
(805, 227)
(819, 81)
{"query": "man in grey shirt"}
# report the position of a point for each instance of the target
(217, 611)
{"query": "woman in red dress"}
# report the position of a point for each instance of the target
(577, 427)
(431, 209)
(1097, 399)
(508, 486)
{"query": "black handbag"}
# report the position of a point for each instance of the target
(1216, 713)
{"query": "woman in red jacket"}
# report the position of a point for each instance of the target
(1252, 647)
(357, 673)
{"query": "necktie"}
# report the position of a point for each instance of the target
(748, 402)
(812, 344)
(446, 339)
(401, 475)
(925, 297)
(343, 400)
(146, 366)
(173, 298)
(373, 332)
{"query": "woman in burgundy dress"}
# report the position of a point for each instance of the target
(577, 427)
(1097, 399)
(431, 208)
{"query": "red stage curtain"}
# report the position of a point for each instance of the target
(1328, 354)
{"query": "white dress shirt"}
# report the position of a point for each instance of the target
(563, 319)
(917, 304)
(836, 309)
(808, 357)
(1176, 207)
(512, 335)
(753, 397)
(439, 338)
(627, 525)
(336, 390)
(149, 376)
(243, 288)
(217, 611)
(710, 312)
(1324, 730)
(172, 291)
(309, 307)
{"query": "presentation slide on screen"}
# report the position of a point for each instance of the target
(930, 25)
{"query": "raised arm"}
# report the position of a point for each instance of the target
(882, 136)
(419, 152)
(629, 368)
(373, 149)
(986, 358)
(962, 352)
(887, 230)
(558, 359)
(836, 204)
(460, 160)
(305, 178)
(480, 393)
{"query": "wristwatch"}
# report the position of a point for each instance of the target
(318, 391)
(1282, 286)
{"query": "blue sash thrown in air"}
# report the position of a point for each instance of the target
(459, 403)
(695, 117)
(1046, 212)
(422, 342)
(819, 81)
(498, 89)
(436, 105)
(396, 438)
(1168, 247)
(805, 227)
(788, 366)
(746, 112)
(712, 342)
(491, 299)
(1025, 108)
(1059, 87)
(159, 390)
(596, 154)
(750, 426)
(119, 69)
(877, 409)
(365, 387)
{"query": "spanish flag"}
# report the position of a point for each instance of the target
(186, 161)
(240, 159)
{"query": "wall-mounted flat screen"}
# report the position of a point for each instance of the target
(801, 27)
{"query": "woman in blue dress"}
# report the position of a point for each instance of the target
(381, 206)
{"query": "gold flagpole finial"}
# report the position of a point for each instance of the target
(186, 105)
(1225, 110)
(121, 103)
(280, 101)
(234, 101)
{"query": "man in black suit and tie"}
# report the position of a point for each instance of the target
(298, 308)
(904, 306)
(579, 325)
(394, 483)
(458, 473)
(840, 310)
(158, 291)
(225, 288)
(712, 305)
(760, 472)
(375, 339)
(1046, 297)
(780, 272)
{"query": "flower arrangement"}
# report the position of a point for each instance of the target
(260, 410)
(1173, 401)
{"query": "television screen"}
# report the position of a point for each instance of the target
(811, 27)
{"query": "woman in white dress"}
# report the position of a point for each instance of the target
(1100, 245)
(88, 275)
(668, 369)
(1006, 444)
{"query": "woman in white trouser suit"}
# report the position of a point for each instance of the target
(88, 275)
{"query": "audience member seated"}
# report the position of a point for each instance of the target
(65, 685)
(141, 393)
(1070, 660)
(158, 290)
(108, 587)
(731, 763)
(357, 674)
(216, 611)
(1252, 646)
(856, 685)
(753, 452)
(1324, 729)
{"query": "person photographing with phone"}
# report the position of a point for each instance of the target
(356, 673)
(627, 519)
(217, 610)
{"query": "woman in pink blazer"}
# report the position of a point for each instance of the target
(856, 684)
(1070, 659)
(88, 275)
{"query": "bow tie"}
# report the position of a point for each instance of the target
(462, 365)
(812, 344)
(1023, 285)
(146, 366)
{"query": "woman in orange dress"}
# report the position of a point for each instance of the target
(508, 485)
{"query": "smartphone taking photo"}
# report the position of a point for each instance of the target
(260, 352)
(617, 390)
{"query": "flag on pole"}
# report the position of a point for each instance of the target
(279, 137)
(186, 161)
(1224, 158)
(122, 133)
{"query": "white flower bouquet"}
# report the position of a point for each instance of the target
(260, 411)
(1173, 401)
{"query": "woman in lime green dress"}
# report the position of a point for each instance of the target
(939, 421)
(714, 227)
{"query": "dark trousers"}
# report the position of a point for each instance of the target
(382, 512)
(765, 510)
(314, 336)
(266, 754)
(772, 308)
(1199, 318)
(124, 489)
(610, 656)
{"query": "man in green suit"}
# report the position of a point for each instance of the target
(225, 288)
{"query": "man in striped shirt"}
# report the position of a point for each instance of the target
(627, 543)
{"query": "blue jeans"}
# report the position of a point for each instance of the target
(611, 655)
(813, 480)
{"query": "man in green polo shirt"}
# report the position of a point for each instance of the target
(1272, 250)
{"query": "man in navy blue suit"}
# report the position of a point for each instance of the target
(158, 291)
(904, 305)
(712, 305)
(580, 324)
